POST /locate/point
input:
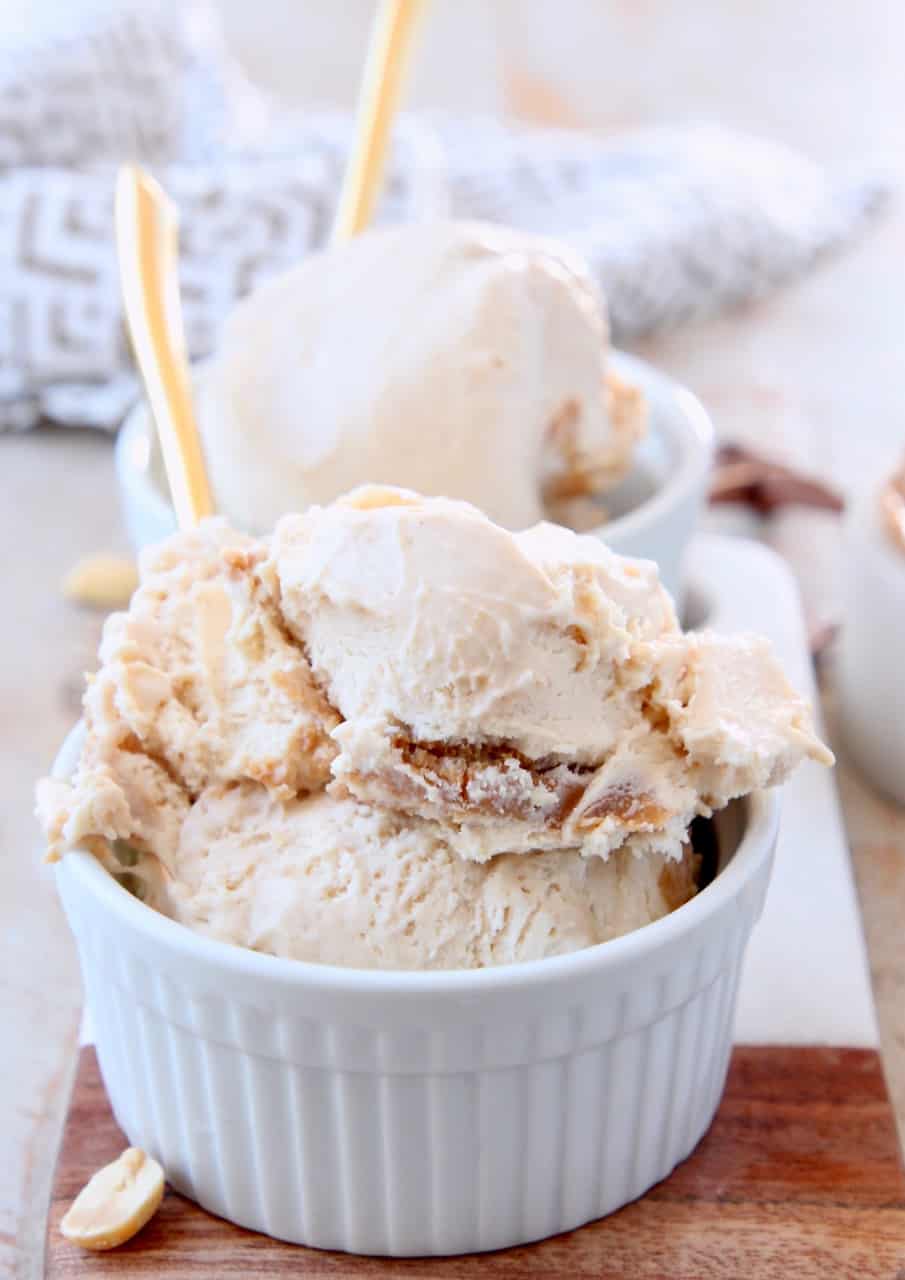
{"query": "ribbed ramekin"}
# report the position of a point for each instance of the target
(418, 1113)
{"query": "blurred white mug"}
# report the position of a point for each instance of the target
(872, 648)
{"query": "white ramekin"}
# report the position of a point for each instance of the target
(652, 513)
(657, 507)
(871, 651)
(417, 1113)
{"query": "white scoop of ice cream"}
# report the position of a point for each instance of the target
(529, 690)
(426, 616)
(454, 358)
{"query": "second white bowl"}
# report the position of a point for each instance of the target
(651, 514)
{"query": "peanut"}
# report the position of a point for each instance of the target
(101, 581)
(116, 1202)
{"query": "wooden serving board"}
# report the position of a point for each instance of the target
(799, 1177)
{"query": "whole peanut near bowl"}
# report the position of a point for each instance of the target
(418, 1113)
(651, 514)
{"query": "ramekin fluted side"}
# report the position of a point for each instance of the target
(415, 1114)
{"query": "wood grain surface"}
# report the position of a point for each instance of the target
(799, 1177)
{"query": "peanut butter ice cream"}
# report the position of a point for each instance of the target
(397, 735)
(456, 358)
(337, 882)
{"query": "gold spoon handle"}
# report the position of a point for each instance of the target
(388, 51)
(146, 243)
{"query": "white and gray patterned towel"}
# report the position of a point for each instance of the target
(84, 81)
(676, 222)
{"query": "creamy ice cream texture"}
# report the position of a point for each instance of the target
(397, 735)
(456, 358)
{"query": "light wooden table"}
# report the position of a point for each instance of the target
(816, 373)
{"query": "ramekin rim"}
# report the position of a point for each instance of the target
(689, 424)
(135, 478)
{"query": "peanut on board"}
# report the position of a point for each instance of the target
(101, 581)
(116, 1202)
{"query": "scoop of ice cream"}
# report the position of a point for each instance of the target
(426, 618)
(336, 882)
(528, 690)
(455, 358)
(199, 684)
(397, 734)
